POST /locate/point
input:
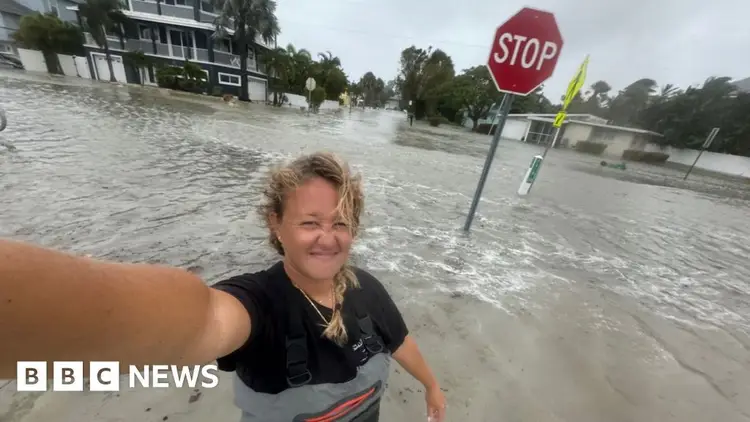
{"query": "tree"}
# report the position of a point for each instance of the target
(474, 91)
(686, 118)
(424, 76)
(48, 34)
(300, 68)
(249, 19)
(317, 96)
(278, 64)
(371, 89)
(628, 103)
(102, 17)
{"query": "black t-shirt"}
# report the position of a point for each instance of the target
(261, 362)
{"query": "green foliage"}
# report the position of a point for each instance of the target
(137, 59)
(104, 16)
(291, 67)
(437, 120)
(48, 34)
(475, 92)
(590, 147)
(425, 77)
(190, 78)
(644, 156)
(317, 96)
(250, 20)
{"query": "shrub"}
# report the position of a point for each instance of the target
(644, 156)
(317, 97)
(590, 147)
(166, 77)
(437, 120)
(189, 78)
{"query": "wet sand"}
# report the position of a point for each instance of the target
(576, 355)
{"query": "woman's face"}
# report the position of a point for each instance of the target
(316, 242)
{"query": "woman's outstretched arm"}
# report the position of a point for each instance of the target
(55, 306)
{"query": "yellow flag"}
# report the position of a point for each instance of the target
(575, 84)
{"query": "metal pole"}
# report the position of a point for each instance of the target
(551, 143)
(694, 162)
(706, 144)
(504, 109)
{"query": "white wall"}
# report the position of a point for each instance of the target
(722, 163)
(82, 67)
(298, 101)
(32, 60)
(574, 133)
(67, 64)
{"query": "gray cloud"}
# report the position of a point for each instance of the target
(672, 41)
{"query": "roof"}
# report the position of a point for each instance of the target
(12, 8)
(552, 115)
(601, 125)
(742, 85)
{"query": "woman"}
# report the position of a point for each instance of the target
(309, 339)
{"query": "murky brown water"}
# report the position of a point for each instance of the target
(127, 174)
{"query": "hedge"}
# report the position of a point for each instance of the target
(645, 156)
(590, 147)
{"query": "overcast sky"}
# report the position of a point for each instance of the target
(672, 41)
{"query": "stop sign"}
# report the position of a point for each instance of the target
(524, 51)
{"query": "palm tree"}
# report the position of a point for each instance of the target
(300, 68)
(101, 17)
(249, 19)
(278, 66)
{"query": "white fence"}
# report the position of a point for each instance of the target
(297, 101)
(721, 163)
(32, 60)
(67, 64)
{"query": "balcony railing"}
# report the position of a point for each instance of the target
(178, 52)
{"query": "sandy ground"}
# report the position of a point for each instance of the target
(570, 354)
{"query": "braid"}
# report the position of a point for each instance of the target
(336, 331)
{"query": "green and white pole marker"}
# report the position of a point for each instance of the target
(530, 176)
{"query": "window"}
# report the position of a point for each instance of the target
(228, 79)
(207, 6)
(144, 32)
(201, 40)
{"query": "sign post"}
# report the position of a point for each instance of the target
(310, 86)
(573, 87)
(706, 144)
(523, 55)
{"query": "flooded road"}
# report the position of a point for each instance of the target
(126, 173)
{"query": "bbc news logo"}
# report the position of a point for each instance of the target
(105, 376)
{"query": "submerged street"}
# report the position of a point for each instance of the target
(604, 295)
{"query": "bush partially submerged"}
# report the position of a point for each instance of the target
(437, 120)
(590, 147)
(644, 156)
(190, 78)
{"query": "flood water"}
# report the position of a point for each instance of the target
(126, 173)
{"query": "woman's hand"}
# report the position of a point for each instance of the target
(435, 404)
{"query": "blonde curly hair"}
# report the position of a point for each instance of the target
(289, 177)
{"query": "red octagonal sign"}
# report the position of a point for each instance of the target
(524, 51)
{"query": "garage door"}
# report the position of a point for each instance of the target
(102, 69)
(515, 128)
(256, 89)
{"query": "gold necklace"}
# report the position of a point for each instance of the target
(333, 300)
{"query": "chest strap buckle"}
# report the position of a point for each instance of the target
(371, 340)
(296, 362)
